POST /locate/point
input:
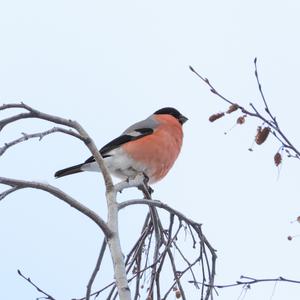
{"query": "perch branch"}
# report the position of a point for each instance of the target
(115, 246)
(159, 204)
(140, 259)
(110, 228)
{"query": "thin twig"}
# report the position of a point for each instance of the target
(177, 274)
(34, 113)
(7, 192)
(270, 120)
(47, 296)
(187, 262)
(38, 135)
(249, 281)
(160, 262)
(212, 88)
(96, 269)
(262, 93)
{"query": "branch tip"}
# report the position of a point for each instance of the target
(192, 69)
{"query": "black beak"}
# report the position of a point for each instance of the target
(182, 119)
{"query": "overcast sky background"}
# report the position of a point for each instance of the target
(108, 64)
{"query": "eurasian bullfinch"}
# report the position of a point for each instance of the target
(150, 147)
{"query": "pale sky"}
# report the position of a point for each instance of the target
(108, 64)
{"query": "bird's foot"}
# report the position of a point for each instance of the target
(150, 190)
(145, 188)
(141, 181)
(146, 178)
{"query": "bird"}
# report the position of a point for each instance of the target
(149, 147)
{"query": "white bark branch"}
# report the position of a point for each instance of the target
(38, 135)
(159, 204)
(22, 184)
(33, 113)
(110, 228)
(131, 182)
(7, 192)
(115, 247)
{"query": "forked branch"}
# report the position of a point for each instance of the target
(267, 117)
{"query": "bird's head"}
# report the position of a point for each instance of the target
(173, 112)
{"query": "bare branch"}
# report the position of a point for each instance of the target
(159, 204)
(177, 274)
(21, 184)
(34, 113)
(212, 88)
(249, 281)
(203, 243)
(96, 270)
(111, 228)
(187, 262)
(147, 258)
(180, 274)
(115, 246)
(262, 93)
(11, 105)
(141, 249)
(131, 182)
(140, 182)
(38, 135)
(270, 120)
(7, 192)
(47, 296)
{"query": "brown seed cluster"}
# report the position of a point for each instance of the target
(277, 159)
(261, 135)
(177, 294)
(215, 117)
(232, 108)
(241, 120)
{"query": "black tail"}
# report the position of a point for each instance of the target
(68, 171)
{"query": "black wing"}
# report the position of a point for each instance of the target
(122, 139)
